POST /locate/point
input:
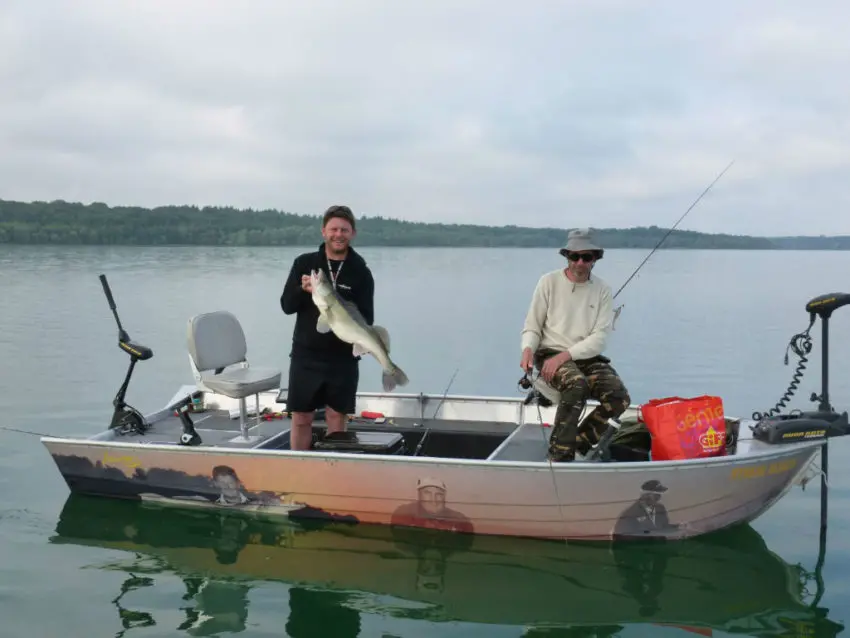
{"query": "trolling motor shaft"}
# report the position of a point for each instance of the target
(125, 418)
(824, 306)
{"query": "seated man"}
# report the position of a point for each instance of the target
(565, 331)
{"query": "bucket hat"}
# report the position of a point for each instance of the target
(653, 486)
(580, 240)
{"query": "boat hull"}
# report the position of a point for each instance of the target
(592, 501)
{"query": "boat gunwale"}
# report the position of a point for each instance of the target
(763, 453)
(760, 455)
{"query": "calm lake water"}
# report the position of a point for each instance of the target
(694, 322)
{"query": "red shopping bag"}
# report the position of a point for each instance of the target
(685, 428)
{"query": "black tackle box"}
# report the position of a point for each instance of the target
(361, 443)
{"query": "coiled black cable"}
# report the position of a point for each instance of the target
(801, 344)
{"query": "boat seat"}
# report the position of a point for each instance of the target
(243, 382)
(546, 390)
(216, 342)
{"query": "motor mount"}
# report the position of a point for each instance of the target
(189, 436)
(801, 426)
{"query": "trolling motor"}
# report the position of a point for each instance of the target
(820, 424)
(126, 419)
(825, 422)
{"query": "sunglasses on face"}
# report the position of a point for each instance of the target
(585, 257)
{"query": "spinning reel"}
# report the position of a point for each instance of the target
(126, 419)
(526, 383)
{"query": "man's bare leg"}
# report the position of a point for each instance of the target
(336, 420)
(301, 437)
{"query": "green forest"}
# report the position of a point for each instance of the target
(68, 223)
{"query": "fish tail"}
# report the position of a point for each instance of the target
(393, 378)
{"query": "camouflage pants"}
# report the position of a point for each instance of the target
(577, 381)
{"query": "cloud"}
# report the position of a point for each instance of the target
(604, 113)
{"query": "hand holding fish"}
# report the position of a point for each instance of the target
(306, 284)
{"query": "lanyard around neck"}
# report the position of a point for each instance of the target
(331, 272)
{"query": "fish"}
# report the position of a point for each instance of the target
(343, 318)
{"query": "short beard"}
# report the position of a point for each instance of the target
(333, 250)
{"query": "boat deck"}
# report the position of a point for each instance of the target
(529, 442)
(216, 429)
(458, 438)
(482, 428)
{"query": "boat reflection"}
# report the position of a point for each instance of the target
(728, 581)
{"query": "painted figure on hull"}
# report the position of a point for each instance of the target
(229, 485)
(429, 509)
(218, 488)
(647, 516)
(231, 493)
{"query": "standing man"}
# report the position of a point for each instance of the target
(323, 372)
(565, 332)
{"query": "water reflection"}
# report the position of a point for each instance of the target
(728, 581)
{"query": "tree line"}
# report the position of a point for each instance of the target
(71, 223)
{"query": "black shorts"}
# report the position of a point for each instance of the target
(314, 385)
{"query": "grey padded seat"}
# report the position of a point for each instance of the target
(546, 390)
(243, 382)
(216, 340)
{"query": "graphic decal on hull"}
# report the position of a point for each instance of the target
(220, 489)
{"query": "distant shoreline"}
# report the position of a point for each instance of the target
(75, 224)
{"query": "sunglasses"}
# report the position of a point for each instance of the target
(585, 257)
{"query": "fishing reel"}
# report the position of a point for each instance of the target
(534, 394)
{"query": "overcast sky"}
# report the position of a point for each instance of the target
(560, 113)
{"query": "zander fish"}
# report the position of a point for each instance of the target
(344, 319)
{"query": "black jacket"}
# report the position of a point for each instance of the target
(355, 284)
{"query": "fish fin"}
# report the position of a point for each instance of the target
(383, 335)
(358, 351)
(323, 326)
(395, 378)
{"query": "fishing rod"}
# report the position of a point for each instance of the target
(434, 416)
(8, 429)
(696, 201)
